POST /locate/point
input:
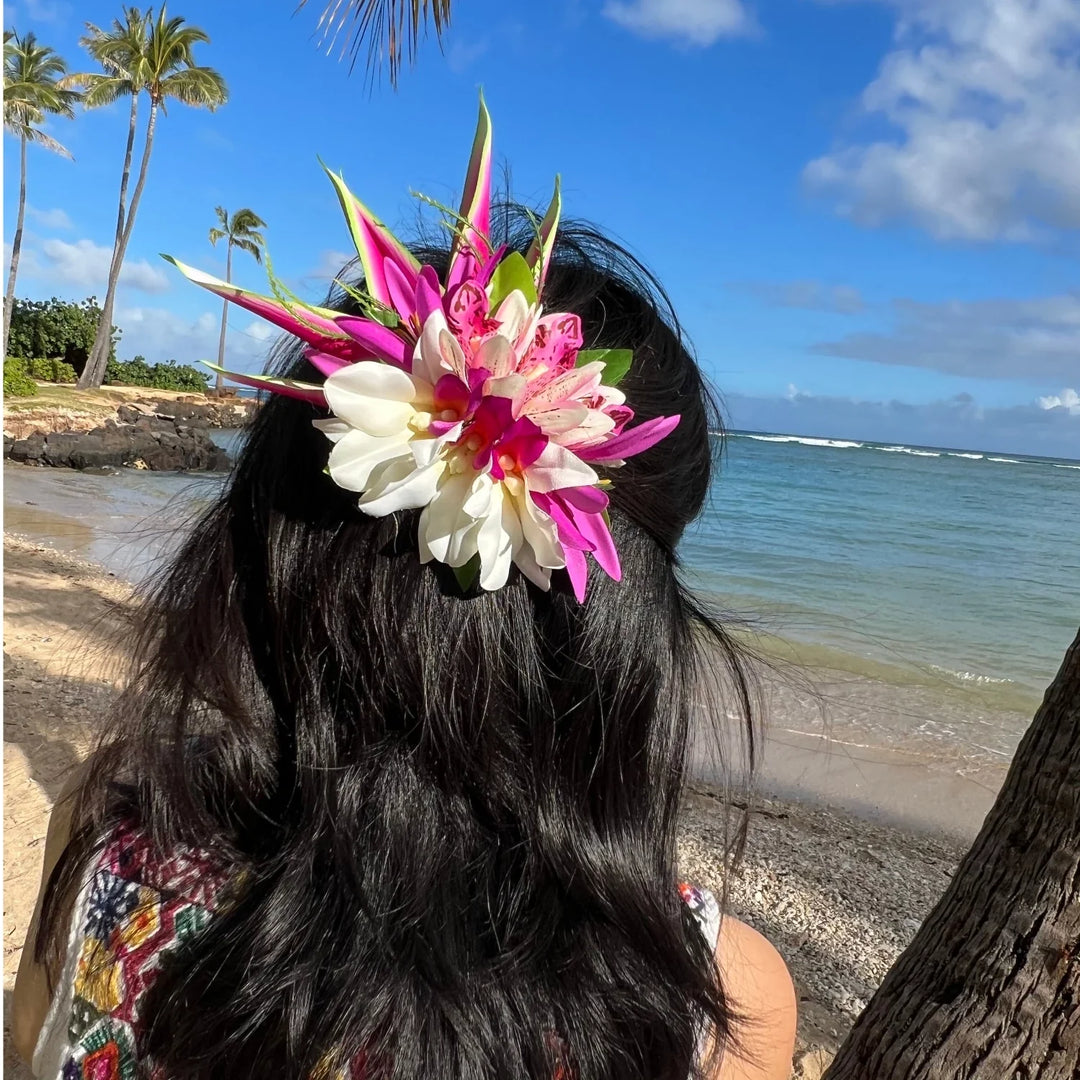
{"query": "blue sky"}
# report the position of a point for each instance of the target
(866, 211)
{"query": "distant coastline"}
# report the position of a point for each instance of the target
(916, 449)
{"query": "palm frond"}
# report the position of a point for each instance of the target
(36, 135)
(33, 77)
(216, 235)
(246, 221)
(254, 249)
(99, 90)
(202, 87)
(391, 29)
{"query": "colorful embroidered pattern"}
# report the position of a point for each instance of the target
(140, 909)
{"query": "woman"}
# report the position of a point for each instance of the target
(393, 790)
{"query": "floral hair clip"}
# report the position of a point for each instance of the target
(461, 398)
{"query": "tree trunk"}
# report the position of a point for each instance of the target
(16, 244)
(94, 372)
(219, 382)
(990, 987)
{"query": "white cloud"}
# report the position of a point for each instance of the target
(50, 219)
(982, 97)
(811, 295)
(690, 22)
(958, 421)
(160, 335)
(330, 265)
(1037, 338)
(461, 55)
(1068, 399)
(86, 265)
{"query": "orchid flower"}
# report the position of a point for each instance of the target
(463, 398)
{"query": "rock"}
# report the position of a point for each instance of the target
(811, 1064)
(29, 449)
(145, 442)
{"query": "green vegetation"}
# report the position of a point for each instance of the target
(167, 376)
(56, 328)
(50, 370)
(17, 381)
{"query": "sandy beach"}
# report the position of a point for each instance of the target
(839, 895)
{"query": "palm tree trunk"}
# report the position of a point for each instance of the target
(219, 382)
(16, 244)
(990, 987)
(94, 372)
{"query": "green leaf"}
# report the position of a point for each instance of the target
(512, 273)
(466, 575)
(616, 363)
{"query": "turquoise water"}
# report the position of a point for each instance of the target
(897, 563)
(960, 565)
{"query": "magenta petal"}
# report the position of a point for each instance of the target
(428, 294)
(622, 415)
(324, 363)
(578, 572)
(463, 267)
(569, 535)
(589, 499)
(402, 291)
(483, 274)
(593, 527)
(451, 393)
(631, 442)
(382, 342)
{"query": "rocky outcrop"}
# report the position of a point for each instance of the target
(199, 411)
(133, 440)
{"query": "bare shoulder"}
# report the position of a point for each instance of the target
(762, 995)
(30, 998)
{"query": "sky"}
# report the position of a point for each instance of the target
(866, 212)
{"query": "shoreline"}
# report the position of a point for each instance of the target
(838, 894)
(837, 736)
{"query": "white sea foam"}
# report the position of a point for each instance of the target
(973, 457)
(1056, 466)
(1006, 460)
(907, 450)
(840, 444)
(970, 677)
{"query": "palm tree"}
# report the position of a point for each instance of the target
(385, 25)
(241, 231)
(31, 92)
(141, 55)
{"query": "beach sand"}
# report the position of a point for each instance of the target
(840, 896)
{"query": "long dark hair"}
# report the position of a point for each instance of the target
(453, 815)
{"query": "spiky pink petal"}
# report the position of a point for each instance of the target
(629, 443)
(378, 340)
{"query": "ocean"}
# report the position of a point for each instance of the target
(911, 603)
(960, 564)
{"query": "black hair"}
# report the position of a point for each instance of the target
(453, 815)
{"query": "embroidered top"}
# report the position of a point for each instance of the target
(133, 910)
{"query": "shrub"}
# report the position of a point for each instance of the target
(55, 328)
(167, 376)
(17, 382)
(50, 369)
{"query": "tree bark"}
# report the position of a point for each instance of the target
(219, 382)
(94, 372)
(990, 987)
(16, 244)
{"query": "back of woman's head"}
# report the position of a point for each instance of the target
(452, 811)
